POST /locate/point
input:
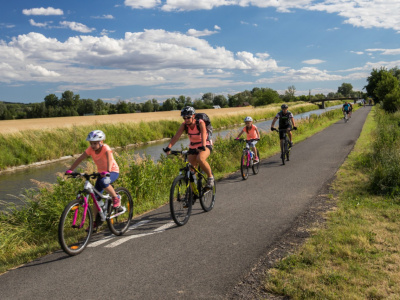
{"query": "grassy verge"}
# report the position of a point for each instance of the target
(31, 231)
(356, 255)
(32, 146)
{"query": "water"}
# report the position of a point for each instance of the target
(13, 184)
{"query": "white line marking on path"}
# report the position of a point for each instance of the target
(127, 238)
(107, 238)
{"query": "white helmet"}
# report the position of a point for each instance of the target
(248, 119)
(95, 136)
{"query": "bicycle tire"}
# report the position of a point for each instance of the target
(256, 166)
(180, 200)
(207, 196)
(244, 165)
(287, 154)
(119, 225)
(73, 240)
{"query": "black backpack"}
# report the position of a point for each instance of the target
(207, 121)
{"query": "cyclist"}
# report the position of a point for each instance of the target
(106, 166)
(286, 121)
(350, 109)
(251, 134)
(200, 146)
(346, 109)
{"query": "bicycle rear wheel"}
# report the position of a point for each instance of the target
(256, 165)
(180, 200)
(244, 165)
(119, 222)
(207, 196)
(74, 228)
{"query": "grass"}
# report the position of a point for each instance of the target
(31, 231)
(356, 255)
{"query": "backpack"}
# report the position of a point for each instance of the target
(207, 121)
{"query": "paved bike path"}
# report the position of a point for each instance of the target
(207, 257)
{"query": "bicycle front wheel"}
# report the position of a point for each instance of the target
(180, 200)
(118, 222)
(75, 227)
(207, 196)
(256, 165)
(244, 165)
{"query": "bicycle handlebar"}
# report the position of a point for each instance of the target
(287, 129)
(176, 152)
(86, 175)
(247, 141)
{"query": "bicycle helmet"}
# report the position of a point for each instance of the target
(187, 111)
(95, 136)
(248, 119)
(283, 106)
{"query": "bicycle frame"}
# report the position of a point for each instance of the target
(188, 166)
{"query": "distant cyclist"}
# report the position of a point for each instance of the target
(286, 121)
(346, 108)
(252, 133)
(200, 146)
(350, 110)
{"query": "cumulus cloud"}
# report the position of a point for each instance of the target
(313, 61)
(76, 26)
(109, 17)
(37, 24)
(385, 51)
(151, 57)
(357, 52)
(197, 33)
(140, 4)
(49, 11)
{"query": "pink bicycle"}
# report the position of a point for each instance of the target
(76, 222)
(248, 159)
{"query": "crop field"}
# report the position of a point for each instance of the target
(12, 126)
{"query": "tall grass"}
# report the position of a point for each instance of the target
(31, 146)
(31, 231)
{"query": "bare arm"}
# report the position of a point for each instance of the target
(177, 135)
(109, 160)
(258, 133)
(78, 161)
(273, 122)
(203, 131)
(240, 134)
(294, 125)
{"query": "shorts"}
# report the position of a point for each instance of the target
(103, 182)
(252, 144)
(194, 151)
(282, 133)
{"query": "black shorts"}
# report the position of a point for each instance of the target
(195, 151)
(282, 133)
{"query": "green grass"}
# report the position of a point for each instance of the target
(31, 231)
(355, 256)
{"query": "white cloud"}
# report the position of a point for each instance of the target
(357, 52)
(109, 17)
(76, 26)
(50, 11)
(306, 74)
(197, 33)
(40, 71)
(216, 27)
(106, 32)
(385, 51)
(313, 61)
(139, 4)
(33, 23)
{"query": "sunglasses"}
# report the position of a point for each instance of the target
(187, 118)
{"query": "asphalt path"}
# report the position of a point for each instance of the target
(208, 256)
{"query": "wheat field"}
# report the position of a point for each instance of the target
(12, 126)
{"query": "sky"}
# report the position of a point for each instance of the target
(136, 50)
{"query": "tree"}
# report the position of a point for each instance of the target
(373, 79)
(220, 100)
(266, 96)
(169, 104)
(387, 85)
(51, 100)
(148, 106)
(345, 89)
(391, 102)
(208, 99)
(156, 105)
(290, 94)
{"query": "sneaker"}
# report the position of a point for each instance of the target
(256, 160)
(210, 183)
(117, 201)
(290, 144)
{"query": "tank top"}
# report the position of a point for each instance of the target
(195, 137)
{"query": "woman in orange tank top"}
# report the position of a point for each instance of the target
(200, 146)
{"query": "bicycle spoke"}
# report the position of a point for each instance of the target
(180, 200)
(118, 222)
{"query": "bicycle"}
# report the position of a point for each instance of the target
(76, 222)
(248, 158)
(346, 116)
(285, 149)
(185, 190)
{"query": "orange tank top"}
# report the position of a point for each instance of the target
(195, 137)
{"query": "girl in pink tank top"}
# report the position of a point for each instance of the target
(252, 134)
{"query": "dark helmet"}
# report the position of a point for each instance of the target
(284, 106)
(187, 111)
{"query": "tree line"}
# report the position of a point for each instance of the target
(70, 104)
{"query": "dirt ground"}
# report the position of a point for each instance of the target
(10, 126)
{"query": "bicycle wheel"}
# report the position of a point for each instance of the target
(287, 154)
(74, 228)
(256, 166)
(118, 222)
(180, 200)
(244, 165)
(207, 196)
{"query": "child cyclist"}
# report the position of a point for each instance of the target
(106, 166)
(200, 146)
(252, 133)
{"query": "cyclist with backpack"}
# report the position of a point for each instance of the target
(286, 121)
(200, 146)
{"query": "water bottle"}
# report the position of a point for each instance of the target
(99, 201)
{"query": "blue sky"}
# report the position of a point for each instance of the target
(136, 50)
